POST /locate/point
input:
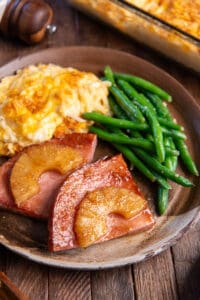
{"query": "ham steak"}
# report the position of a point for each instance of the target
(49, 181)
(97, 202)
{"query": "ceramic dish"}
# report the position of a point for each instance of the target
(28, 237)
(157, 30)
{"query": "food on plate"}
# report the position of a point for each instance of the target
(44, 101)
(93, 211)
(53, 176)
(96, 203)
(30, 179)
(152, 145)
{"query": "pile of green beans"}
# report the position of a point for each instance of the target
(144, 131)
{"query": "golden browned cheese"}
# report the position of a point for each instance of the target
(43, 101)
(184, 14)
(91, 219)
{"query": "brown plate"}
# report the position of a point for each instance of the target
(28, 237)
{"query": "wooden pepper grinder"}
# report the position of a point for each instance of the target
(26, 19)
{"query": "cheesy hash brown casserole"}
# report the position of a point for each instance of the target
(184, 15)
(45, 101)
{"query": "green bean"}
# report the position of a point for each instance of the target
(119, 113)
(160, 107)
(117, 136)
(164, 116)
(168, 161)
(131, 110)
(109, 74)
(122, 139)
(149, 137)
(144, 84)
(169, 124)
(173, 133)
(148, 110)
(161, 169)
(161, 180)
(158, 136)
(178, 138)
(170, 151)
(138, 99)
(163, 195)
(135, 161)
(173, 158)
(140, 166)
(186, 157)
(116, 109)
(107, 120)
(151, 106)
(135, 134)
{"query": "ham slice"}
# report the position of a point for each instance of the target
(6, 199)
(105, 173)
(49, 182)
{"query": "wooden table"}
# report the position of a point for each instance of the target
(175, 273)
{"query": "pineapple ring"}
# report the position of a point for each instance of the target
(35, 161)
(90, 221)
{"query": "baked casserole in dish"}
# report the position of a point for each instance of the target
(171, 27)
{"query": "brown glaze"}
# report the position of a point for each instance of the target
(29, 237)
(110, 172)
(39, 204)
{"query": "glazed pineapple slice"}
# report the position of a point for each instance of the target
(97, 198)
(35, 161)
(91, 218)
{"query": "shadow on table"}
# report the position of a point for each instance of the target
(190, 289)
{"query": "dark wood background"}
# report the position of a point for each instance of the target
(175, 273)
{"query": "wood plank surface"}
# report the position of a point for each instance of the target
(113, 284)
(69, 285)
(175, 273)
(186, 256)
(31, 278)
(160, 272)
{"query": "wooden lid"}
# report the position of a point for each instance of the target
(27, 20)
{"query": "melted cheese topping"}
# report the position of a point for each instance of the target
(184, 15)
(43, 101)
